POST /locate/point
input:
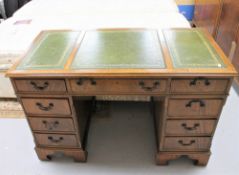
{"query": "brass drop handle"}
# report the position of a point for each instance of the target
(80, 81)
(55, 140)
(38, 87)
(189, 104)
(186, 144)
(45, 108)
(194, 81)
(148, 88)
(50, 125)
(194, 127)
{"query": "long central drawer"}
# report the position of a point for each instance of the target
(118, 86)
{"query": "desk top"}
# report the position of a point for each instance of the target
(123, 52)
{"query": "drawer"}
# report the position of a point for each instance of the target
(189, 127)
(199, 85)
(62, 140)
(51, 124)
(195, 107)
(187, 143)
(118, 86)
(42, 106)
(40, 85)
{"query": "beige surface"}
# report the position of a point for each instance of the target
(6, 90)
(11, 109)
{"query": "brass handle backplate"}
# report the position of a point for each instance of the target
(201, 103)
(195, 80)
(52, 139)
(181, 142)
(39, 87)
(194, 127)
(80, 81)
(155, 85)
(45, 108)
(50, 125)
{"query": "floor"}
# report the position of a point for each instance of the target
(124, 147)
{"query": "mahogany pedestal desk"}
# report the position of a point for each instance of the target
(184, 72)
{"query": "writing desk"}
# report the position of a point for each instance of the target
(184, 72)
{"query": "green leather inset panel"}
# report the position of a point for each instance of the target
(189, 48)
(119, 49)
(51, 51)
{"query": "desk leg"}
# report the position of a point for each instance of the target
(200, 159)
(47, 154)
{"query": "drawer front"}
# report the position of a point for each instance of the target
(41, 106)
(187, 143)
(40, 85)
(194, 107)
(56, 140)
(189, 127)
(51, 124)
(199, 85)
(120, 86)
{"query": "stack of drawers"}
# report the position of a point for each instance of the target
(51, 116)
(187, 123)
